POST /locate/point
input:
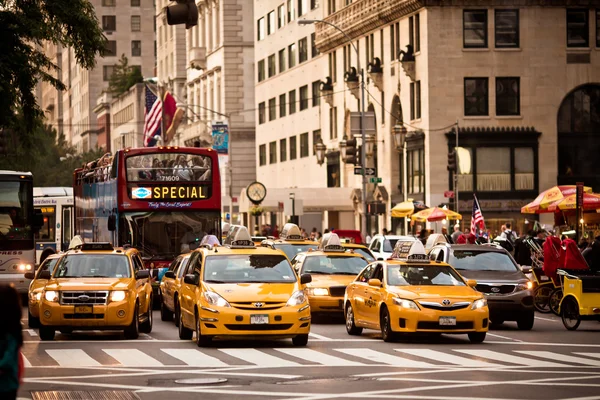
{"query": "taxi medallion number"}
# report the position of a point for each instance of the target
(447, 321)
(84, 309)
(259, 319)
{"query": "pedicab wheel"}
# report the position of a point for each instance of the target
(554, 301)
(541, 299)
(570, 314)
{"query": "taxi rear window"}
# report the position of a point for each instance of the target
(365, 253)
(333, 265)
(291, 250)
(93, 266)
(248, 268)
(422, 275)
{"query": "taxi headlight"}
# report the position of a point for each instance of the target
(297, 298)
(524, 286)
(479, 303)
(38, 296)
(118, 295)
(51, 296)
(318, 291)
(214, 299)
(24, 267)
(404, 303)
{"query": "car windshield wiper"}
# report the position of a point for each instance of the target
(215, 281)
(345, 273)
(318, 272)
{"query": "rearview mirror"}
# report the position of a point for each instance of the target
(112, 223)
(472, 282)
(29, 275)
(142, 274)
(190, 279)
(170, 275)
(305, 278)
(44, 275)
(375, 282)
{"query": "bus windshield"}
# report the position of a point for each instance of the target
(15, 215)
(162, 235)
(169, 167)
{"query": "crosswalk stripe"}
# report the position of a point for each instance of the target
(195, 358)
(595, 355)
(72, 358)
(447, 358)
(562, 357)
(319, 358)
(259, 358)
(26, 362)
(384, 358)
(511, 359)
(132, 358)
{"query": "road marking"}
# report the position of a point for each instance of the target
(132, 358)
(319, 358)
(563, 357)
(384, 358)
(31, 332)
(26, 362)
(448, 358)
(259, 358)
(595, 355)
(194, 358)
(73, 358)
(320, 337)
(547, 319)
(503, 337)
(546, 344)
(508, 358)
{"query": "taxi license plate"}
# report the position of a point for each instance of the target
(84, 309)
(259, 319)
(447, 321)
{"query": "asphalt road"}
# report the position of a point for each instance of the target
(547, 363)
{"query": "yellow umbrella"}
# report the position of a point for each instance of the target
(435, 214)
(404, 209)
(548, 197)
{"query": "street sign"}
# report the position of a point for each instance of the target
(367, 171)
(449, 194)
(370, 123)
(375, 180)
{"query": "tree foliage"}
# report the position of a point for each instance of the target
(124, 77)
(26, 26)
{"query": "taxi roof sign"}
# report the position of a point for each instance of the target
(291, 232)
(210, 240)
(239, 237)
(331, 242)
(98, 246)
(410, 251)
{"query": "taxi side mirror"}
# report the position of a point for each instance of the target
(170, 275)
(375, 282)
(472, 283)
(42, 275)
(190, 279)
(305, 278)
(142, 274)
(29, 275)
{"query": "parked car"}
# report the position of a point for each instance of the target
(382, 246)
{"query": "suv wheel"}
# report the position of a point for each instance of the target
(477, 337)
(525, 321)
(133, 330)
(300, 340)
(146, 326)
(32, 321)
(47, 333)
(165, 313)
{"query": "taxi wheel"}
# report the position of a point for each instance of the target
(32, 321)
(177, 311)
(146, 326)
(201, 340)
(47, 333)
(133, 330)
(387, 334)
(300, 340)
(477, 337)
(351, 328)
(184, 333)
(165, 313)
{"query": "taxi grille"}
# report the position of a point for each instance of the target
(264, 305)
(84, 316)
(83, 298)
(495, 289)
(453, 307)
(337, 291)
(435, 325)
(258, 327)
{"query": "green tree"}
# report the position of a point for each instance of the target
(124, 77)
(26, 26)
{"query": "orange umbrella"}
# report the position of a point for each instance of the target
(548, 197)
(435, 214)
(591, 201)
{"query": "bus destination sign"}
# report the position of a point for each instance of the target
(171, 193)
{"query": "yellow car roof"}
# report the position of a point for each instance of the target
(354, 246)
(417, 263)
(331, 253)
(225, 250)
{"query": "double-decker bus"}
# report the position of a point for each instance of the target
(56, 206)
(160, 200)
(18, 224)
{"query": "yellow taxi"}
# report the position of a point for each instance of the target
(409, 293)
(37, 286)
(291, 241)
(239, 290)
(358, 248)
(170, 285)
(96, 287)
(332, 269)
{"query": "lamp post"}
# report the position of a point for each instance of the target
(400, 134)
(293, 198)
(363, 153)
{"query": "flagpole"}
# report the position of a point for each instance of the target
(456, 173)
(163, 133)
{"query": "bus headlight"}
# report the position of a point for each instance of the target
(24, 267)
(51, 296)
(118, 295)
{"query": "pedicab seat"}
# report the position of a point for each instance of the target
(590, 280)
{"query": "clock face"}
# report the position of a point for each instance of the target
(256, 192)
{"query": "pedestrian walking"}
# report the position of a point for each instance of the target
(11, 340)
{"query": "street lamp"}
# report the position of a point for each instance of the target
(320, 150)
(400, 134)
(363, 153)
(293, 198)
(343, 148)
(369, 144)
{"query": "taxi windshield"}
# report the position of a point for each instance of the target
(364, 252)
(333, 265)
(481, 261)
(248, 268)
(419, 275)
(93, 266)
(291, 250)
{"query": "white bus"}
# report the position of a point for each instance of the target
(56, 206)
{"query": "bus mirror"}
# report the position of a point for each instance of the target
(112, 223)
(38, 220)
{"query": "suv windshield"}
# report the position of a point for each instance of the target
(481, 261)
(93, 266)
(246, 268)
(389, 244)
(291, 250)
(403, 275)
(333, 265)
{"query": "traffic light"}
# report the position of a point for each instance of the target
(183, 12)
(452, 161)
(352, 152)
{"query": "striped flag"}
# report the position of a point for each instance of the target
(152, 118)
(477, 221)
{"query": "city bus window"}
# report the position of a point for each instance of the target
(47, 232)
(169, 167)
(67, 229)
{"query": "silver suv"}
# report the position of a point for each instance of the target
(508, 291)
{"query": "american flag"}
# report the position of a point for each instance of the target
(152, 118)
(477, 221)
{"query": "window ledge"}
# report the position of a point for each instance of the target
(509, 117)
(477, 117)
(416, 121)
(578, 49)
(508, 49)
(475, 49)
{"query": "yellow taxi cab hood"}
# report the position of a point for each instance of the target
(253, 292)
(433, 292)
(81, 284)
(323, 281)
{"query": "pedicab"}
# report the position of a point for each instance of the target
(581, 297)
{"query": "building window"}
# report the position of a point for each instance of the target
(271, 66)
(381, 45)
(476, 96)
(260, 29)
(136, 48)
(493, 169)
(393, 53)
(293, 152)
(332, 65)
(302, 7)
(262, 154)
(348, 50)
(271, 23)
(524, 168)
(261, 113)
(292, 55)
(383, 110)
(108, 3)
(107, 72)
(282, 105)
(508, 96)
(475, 29)
(415, 100)
(283, 150)
(578, 30)
(416, 170)
(135, 3)
(316, 136)
(291, 11)
(304, 97)
(333, 170)
(292, 101)
(333, 123)
(136, 23)
(109, 23)
(597, 28)
(313, 45)
(304, 145)
(414, 32)
(281, 16)
(302, 50)
(281, 55)
(272, 152)
(507, 28)
(331, 6)
(272, 109)
(313, 4)
(111, 48)
(261, 70)
(316, 93)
